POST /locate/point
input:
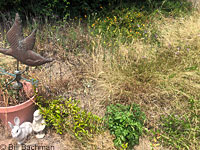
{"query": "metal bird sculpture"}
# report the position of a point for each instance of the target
(22, 48)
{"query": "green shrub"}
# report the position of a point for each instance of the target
(126, 123)
(172, 8)
(65, 114)
(86, 7)
(39, 8)
(81, 8)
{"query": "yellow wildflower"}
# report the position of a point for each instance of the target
(115, 18)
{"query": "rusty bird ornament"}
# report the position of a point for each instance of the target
(22, 48)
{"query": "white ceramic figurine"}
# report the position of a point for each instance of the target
(38, 124)
(20, 132)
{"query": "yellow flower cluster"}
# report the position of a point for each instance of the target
(130, 24)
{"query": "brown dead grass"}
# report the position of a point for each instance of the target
(143, 75)
(160, 79)
(151, 76)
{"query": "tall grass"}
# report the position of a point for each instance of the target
(128, 56)
(160, 71)
(161, 77)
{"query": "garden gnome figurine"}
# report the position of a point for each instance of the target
(38, 124)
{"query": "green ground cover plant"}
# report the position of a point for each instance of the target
(126, 122)
(65, 114)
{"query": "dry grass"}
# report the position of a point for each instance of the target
(146, 64)
(161, 78)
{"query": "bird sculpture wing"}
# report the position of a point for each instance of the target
(21, 48)
(15, 35)
(29, 41)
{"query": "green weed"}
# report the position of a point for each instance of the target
(126, 123)
(182, 131)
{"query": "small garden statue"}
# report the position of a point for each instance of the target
(20, 132)
(38, 124)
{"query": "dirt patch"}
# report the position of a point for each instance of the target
(145, 144)
(51, 141)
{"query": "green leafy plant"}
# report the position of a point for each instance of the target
(181, 131)
(126, 123)
(65, 114)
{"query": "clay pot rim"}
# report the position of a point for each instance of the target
(18, 106)
(25, 104)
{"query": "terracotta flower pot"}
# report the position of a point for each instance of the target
(24, 110)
